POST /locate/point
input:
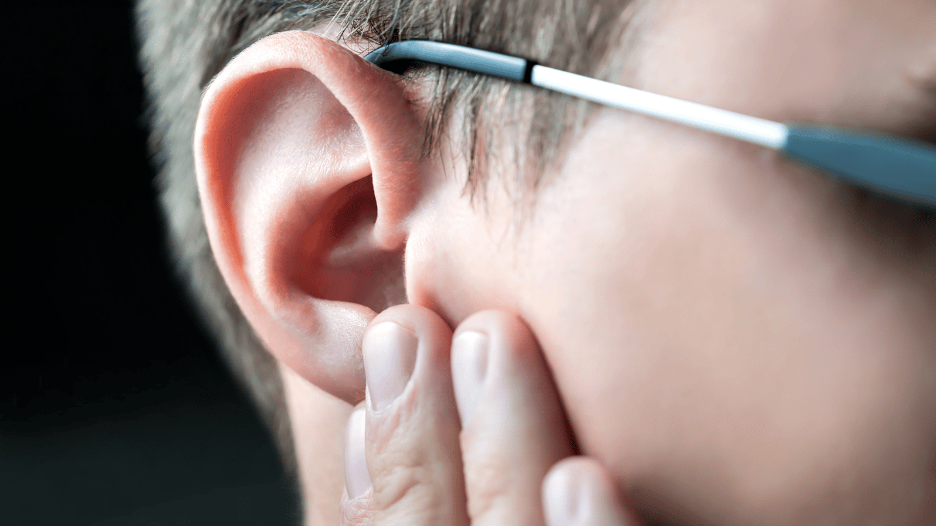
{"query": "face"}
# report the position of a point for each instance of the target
(716, 316)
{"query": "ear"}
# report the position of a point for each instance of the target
(308, 162)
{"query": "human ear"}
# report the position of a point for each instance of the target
(308, 163)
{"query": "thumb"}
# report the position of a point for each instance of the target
(579, 492)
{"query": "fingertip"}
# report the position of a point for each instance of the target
(423, 321)
(469, 368)
(578, 491)
(562, 495)
(505, 331)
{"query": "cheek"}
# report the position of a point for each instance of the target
(715, 324)
(459, 257)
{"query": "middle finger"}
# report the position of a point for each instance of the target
(514, 427)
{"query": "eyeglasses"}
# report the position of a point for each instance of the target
(897, 167)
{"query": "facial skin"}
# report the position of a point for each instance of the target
(730, 332)
(739, 340)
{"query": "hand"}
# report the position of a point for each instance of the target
(464, 430)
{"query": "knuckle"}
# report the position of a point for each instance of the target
(414, 503)
(398, 483)
(409, 481)
(488, 483)
(357, 512)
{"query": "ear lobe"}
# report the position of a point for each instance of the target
(308, 163)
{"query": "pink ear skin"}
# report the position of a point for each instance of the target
(308, 163)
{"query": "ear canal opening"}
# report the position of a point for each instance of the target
(339, 260)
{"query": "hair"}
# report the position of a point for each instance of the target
(185, 43)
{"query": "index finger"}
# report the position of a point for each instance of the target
(411, 445)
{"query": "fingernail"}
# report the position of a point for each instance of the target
(469, 368)
(562, 496)
(357, 479)
(389, 357)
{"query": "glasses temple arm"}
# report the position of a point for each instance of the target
(897, 167)
(460, 57)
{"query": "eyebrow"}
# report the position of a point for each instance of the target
(896, 167)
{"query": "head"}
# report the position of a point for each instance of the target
(740, 339)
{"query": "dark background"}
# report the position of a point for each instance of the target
(114, 408)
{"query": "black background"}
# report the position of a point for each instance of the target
(114, 407)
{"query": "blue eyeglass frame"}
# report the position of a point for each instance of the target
(896, 167)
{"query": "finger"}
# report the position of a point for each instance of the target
(579, 492)
(514, 428)
(411, 446)
(356, 507)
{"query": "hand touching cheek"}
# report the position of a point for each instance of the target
(465, 430)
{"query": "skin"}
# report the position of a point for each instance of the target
(455, 448)
(449, 450)
(735, 338)
(747, 323)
